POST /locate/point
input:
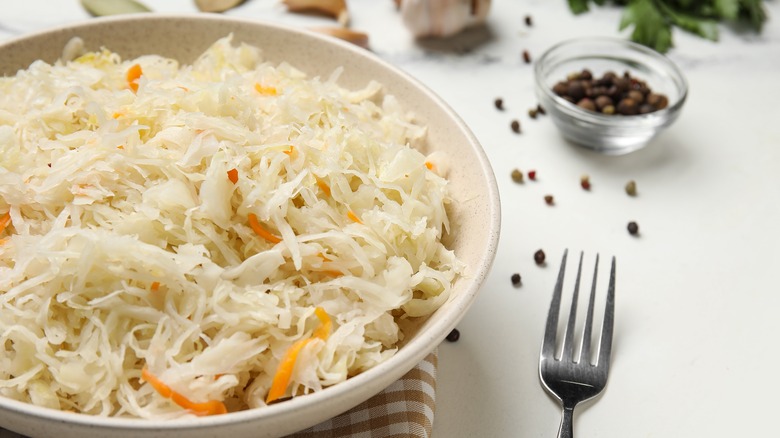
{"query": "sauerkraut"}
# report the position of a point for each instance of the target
(127, 188)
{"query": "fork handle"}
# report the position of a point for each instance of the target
(567, 423)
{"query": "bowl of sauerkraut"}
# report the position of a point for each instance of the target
(211, 225)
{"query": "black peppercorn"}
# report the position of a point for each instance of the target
(515, 126)
(529, 21)
(516, 279)
(548, 199)
(576, 90)
(633, 228)
(539, 257)
(526, 57)
(602, 102)
(499, 103)
(453, 336)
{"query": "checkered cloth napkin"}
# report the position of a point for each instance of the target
(404, 409)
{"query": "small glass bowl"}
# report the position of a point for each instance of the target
(611, 134)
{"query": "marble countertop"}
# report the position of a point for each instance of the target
(697, 297)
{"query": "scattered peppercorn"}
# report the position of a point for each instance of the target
(540, 109)
(516, 279)
(532, 175)
(633, 228)
(515, 126)
(549, 199)
(532, 113)
(529, 21)
(585, 182)
(610, 94)
(539, 257)
(526, 57)
(517, 176)
(454, 335)
(631, 188)
(499, 103)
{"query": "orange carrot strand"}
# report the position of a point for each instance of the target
(233, 175)
(155, 286)
(5, 220)
(324, 187)
(211, 407)
(287, 365)
(260, 231)
(133, 73)
(351, 214)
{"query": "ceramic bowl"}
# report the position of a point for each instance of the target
(474, 216)
(611, 134)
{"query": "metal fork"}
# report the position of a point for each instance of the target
(573, 380)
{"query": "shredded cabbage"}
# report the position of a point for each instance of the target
(129, 245)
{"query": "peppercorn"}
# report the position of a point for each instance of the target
(549, 199)
(627, 107)
(526, 57)
(561, 89)
(515, 126)
(453, 336)
(587, 104)
(516, 279)
(633, 228)
(658, 101)
(586, 74)
(532, 175)
(576, 90)
(539, 257)
(636, 96)
(585, 182)
(608, 110)
(499, 103)
(532, 113)
(540, 109)
(602, 102)
(529, 21)
(631, 188)
(517, 176)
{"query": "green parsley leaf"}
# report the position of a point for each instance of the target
(578, 6)
(650, 26)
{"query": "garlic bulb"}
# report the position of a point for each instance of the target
(442, 18)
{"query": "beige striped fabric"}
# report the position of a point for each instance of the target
(404, 409)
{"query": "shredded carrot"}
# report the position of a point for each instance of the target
(155, 286)
(290, 150)
(211, 407)
(429, 165)
(116, 115)
(324, 187)
(133, 73)
(5, 220)
(287, 364)
(260, 230)
(333, 272)
(233, 175)
(120, 147)
(262, 89)
(351, 214)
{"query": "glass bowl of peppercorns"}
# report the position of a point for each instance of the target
(609, 94)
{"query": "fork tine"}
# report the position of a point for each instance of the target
(605, 346)
(585, 351)
(548, 344)
(568, 340)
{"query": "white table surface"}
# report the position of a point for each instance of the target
(696, 349)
